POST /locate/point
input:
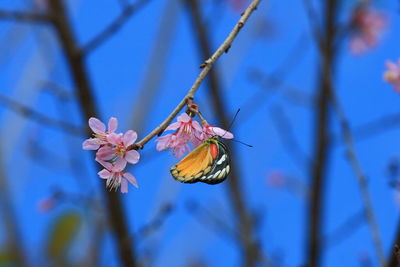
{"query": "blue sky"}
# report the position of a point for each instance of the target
(30, 55)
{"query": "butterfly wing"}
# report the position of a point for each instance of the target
(208, 163)
(195, 165)
(221, 165)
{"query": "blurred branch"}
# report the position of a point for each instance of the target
(206, 66)
(322, 145)
(22, 16)
(156, 66)
(34, 115)
(84, 92)
(114, 26)
(13, 239)
(345, 230)
(394, 256)
(286, 133)
(361, 178)
(249, 245)
(377, 126)
(155, 224)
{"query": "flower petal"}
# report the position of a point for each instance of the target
(119, 165)
(124, 186)
(112, 124)
(162, 142)
(129, 138)
(196, 125)
(115, 139)
(132, 156)
(105, 153)
(131, 179)
(173, 126)
(184, 118)
(220, 132)
(104, 174)
(97, 126)
(105, 164)
(90, 144)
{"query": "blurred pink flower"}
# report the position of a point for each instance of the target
(238, 5)
(46, 204)
(392, 74)
(367, 25)
(100, 133)
(276, 179)
(115, 176)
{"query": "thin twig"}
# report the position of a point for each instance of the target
(34, 115)
(114, 26)
(361, 178)
(206, 68)
(22, 16)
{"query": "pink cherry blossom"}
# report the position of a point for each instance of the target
(367, 25)
(186, 127)
(171, 141)
(392, 74)
(210, 131)
(116, 177)
(187, 131)
(118, 146)
(100, 133)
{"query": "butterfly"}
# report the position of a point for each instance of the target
(208, 163)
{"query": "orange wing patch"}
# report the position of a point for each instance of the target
(192, 167)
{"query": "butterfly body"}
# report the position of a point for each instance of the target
(208, 163)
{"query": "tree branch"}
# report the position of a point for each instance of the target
(84, 92)
(114, 26)
(39, 117)
(24, 16)
(322, 144)
(207, 65)
(361, 178)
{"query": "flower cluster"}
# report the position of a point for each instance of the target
(113, 153)
(367, 27)
(188, 131)
(392, 74)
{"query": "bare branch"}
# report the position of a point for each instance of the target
(207, 65)
(114, 26)
(23, 16)
(84, 94)
(320, 157)
(39, 117)
(361, 178)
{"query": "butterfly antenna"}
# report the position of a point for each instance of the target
(240, 142)
(233, 120)
(230, 125)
